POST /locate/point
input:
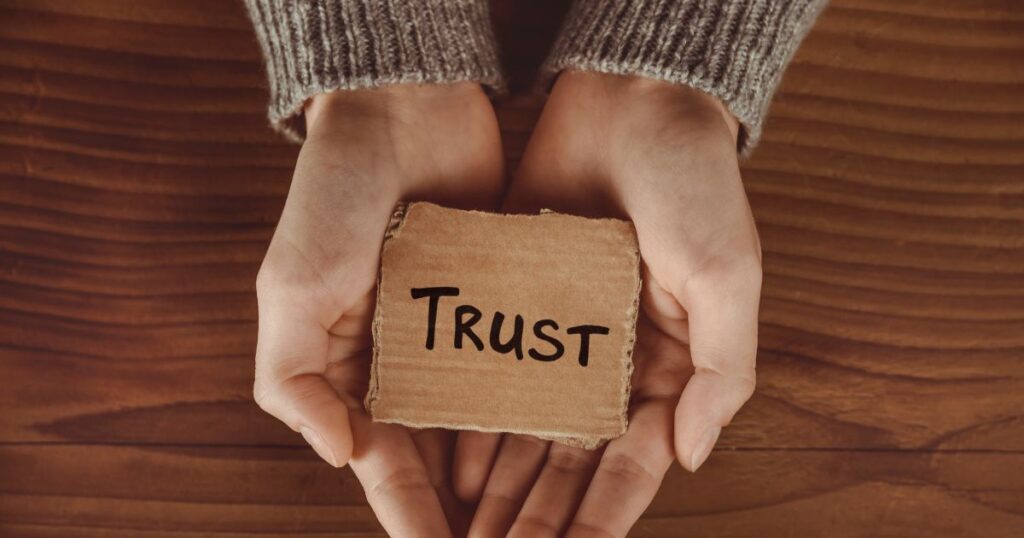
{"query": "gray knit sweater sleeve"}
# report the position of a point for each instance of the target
(316, 46)
(735, 50)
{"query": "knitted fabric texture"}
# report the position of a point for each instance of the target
(317, 46)
(735, 50)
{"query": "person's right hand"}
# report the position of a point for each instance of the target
(365, 151)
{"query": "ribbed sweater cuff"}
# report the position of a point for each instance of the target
(317, 46)
(735, 50)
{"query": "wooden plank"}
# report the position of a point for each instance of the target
(890, 208)
(836, 399)
(157, 39)
(156, 491)
(141, 187)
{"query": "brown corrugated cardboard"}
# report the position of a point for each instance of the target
(456, 290)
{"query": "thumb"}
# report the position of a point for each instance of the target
(309, 405)
(722, 305)
(291, 358)
(708, 403)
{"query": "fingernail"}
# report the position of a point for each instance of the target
(318, 445)
(703, 448)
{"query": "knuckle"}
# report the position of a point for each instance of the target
(277, 275)
(307, 388)
(280, 282)
(262, 395)
(570, 461)
(534, 527)
(626, 468)
(527, 442)
(737, 271)
(748, 384)
(266, 279)
(580, 529)
(750, 270)
(409, 480)
(500, 498)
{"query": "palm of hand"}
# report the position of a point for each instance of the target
(664, 158)
(363, 154)
(405, 472)
(679, 185)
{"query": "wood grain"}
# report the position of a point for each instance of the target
(140, 186)
(216, 491)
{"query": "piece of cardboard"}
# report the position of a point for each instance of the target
(572, 271)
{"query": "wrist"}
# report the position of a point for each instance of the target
(339, 103)
(622, 93)
(399, 104)
(420, 139)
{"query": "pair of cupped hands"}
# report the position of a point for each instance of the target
(660, 155)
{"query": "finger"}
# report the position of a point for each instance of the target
(396, 480)
(291, 358)
(557, 493)
(722, 305)
(474, 457)
(436, 447)
(515, 469)
(662, 309)
(629, 473)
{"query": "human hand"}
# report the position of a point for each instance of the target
(365, 150)
(664, 157)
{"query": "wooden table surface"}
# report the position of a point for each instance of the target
(140, 187)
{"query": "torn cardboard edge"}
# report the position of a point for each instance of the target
(625, 369)
(394, 226)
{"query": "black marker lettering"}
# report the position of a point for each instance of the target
(463, 327)
(539, 333)
(435, 295)
(585, 331)
(516, 342)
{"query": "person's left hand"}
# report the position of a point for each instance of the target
(664, 157)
